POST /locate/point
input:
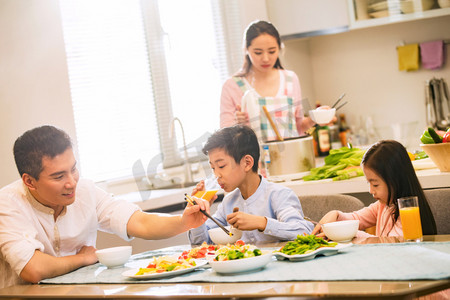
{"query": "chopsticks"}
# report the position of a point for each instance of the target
(192, 202)
(341, 105)
(274, 127)
(338, 100)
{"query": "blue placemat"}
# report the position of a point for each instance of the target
(405, 261)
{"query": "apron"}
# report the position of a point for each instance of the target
(281, 109)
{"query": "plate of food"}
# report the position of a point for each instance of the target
(306, 247)
(240, 257)
(200, 252)
(165, 266)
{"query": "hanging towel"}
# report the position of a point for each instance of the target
(432, 54)
(408, 57)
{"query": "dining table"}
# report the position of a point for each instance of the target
(357, 271)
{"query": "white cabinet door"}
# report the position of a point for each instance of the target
(301, 18)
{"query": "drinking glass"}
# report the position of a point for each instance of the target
(211, 188)
(410, 218)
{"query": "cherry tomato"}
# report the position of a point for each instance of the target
(239, 243)
(151, 266)
(446, 138)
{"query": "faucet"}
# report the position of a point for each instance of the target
(187, 166)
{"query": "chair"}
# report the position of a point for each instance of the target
(439, 201)
(316, 206)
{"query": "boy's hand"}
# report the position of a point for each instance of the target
(244, 221)
(199, 187)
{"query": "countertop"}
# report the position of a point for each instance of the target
(173, 199)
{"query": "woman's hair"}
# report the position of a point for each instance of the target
(390, 160)
(237, 141)
(34, 144)
(254, 30)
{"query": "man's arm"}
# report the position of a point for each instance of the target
(159, 226)
(42, 265)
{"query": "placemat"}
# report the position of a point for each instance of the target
(405, 261)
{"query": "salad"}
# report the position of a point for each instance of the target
(235, 251)
(200, 252)
(163, 264)
(305, 244)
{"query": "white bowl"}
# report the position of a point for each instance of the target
(242, 265)
(322, 116)
(115, 256)
(218, 236)
(341, 231)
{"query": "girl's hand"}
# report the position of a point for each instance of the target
(329, 217)
(244, 221)
(241, 116)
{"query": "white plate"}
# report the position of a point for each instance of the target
(243, 264)
(132, 273)
(326, 251)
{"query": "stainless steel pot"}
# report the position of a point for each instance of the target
(290, 156)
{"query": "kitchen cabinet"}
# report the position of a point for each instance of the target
(303, 18)
(368, 13)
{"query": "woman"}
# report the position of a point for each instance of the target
(263, 81)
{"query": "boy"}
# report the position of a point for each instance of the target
(264, 211)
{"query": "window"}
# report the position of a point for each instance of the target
(134, 65)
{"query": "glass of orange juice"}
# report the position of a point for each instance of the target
(410, 218)
(206, 195)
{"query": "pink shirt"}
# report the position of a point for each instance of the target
(232, 95)
(376, 214)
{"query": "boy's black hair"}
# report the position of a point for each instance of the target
(34, 144)
(237, 141)
(390, 160)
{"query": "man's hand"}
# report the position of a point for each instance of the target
(42, 265)
(192, 216)
(88, 255)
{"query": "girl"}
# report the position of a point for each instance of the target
(390, 174)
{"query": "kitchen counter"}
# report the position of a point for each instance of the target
(173, 199)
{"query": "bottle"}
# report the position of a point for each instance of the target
(266, 156)
(344, 130)
(323, 140)
(335, 140)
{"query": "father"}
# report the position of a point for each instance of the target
(49, 218)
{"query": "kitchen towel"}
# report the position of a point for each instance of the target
(408, 57)
(432, 54)
(404, 261)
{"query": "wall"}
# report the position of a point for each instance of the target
(363, 64)
(33, 74)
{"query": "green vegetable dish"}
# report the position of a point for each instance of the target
(340, 164)
(305, 244)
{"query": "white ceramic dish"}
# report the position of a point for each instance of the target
(242, 265)
(341, 231)
(115, 256)
(325, 251)
(132, 273)
(219, 237)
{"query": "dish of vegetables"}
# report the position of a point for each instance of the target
(164, 266)
(240, 257)
(306, 247)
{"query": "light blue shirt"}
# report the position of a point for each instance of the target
(276, 202)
